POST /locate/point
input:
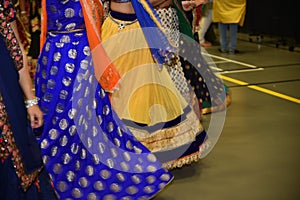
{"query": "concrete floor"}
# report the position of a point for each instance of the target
(257, 154)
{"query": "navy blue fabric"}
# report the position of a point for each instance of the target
(122, 16)
(17, 114)
(10, 185)
(161, 125)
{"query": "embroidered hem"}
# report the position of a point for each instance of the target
(9, 147)
(170, 138)
(186, 160)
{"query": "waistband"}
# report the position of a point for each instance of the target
(121, 1)
(123, 16)
(67, 31)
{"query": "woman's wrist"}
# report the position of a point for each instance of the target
(32, 102)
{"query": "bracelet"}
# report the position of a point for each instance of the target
(32, 102)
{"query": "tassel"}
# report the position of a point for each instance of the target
(37, 184)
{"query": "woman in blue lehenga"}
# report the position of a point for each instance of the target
(87, 151)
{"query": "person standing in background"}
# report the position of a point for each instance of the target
(229, 15)
(30, 23)
(205, 22)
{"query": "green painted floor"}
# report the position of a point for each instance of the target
(257, 156)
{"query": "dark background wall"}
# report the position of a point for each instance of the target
(273, 17)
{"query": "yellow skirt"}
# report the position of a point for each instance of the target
(147, 95)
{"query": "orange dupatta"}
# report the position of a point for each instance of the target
(105, 72)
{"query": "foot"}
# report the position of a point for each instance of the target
(206, 44)
(222, 51)
(221, 107)
(234, 52)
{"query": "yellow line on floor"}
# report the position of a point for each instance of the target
(264, 90)
(226, 78)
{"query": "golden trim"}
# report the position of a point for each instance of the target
(170, 138)
(188, 159)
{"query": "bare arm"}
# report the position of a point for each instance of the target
(35, 114)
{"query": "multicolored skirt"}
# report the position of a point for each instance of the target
(208, 100)
(148, 101)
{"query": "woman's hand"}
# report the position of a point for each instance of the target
(200, 2)
(35, 116)
(188, 5)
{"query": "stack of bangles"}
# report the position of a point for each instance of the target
(23, 14)
(31, 102)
